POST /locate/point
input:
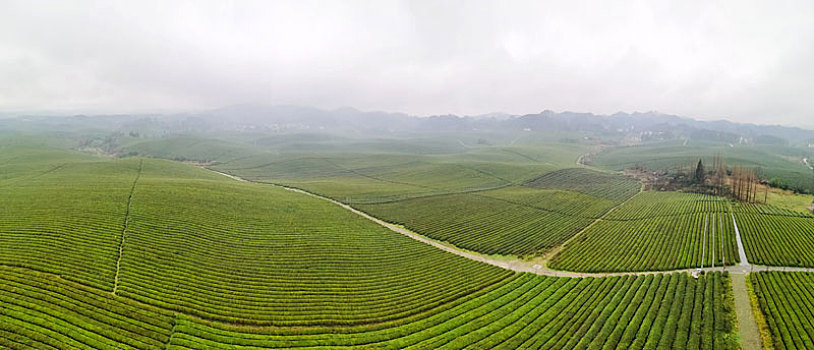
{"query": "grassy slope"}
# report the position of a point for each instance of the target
(188, 148)
(789, 200)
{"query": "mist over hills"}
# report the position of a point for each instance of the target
(294, 119)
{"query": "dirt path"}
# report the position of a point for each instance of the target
(750, 335)
(518, 265)
(537, 267)
(747, 326)
(229, 175)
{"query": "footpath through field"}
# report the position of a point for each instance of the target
(531, 266)
(748, 329)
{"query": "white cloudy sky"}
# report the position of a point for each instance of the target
(740, 60)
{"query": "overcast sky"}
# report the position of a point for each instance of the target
(747, 61)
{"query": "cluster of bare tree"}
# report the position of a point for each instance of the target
(741, 183)
(744, 183)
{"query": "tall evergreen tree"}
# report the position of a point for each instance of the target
(699, 173)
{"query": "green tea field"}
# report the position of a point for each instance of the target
(504, 251)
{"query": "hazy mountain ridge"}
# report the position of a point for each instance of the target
(287, 118)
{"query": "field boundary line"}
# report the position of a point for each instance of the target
(525, 205)
(521, 155)
(124, 227)
(172, 331)
(419, 196)
(357, 173)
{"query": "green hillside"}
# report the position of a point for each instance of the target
(152, 254)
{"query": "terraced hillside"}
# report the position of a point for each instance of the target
(351, 182)
(655, 231)
(454, 196)
(414, 189)
(515, 220)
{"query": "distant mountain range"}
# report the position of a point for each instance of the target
(259, 118)
(652, 124)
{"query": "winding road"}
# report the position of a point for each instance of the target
(531, 266)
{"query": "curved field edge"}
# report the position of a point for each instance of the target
(528, 311)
